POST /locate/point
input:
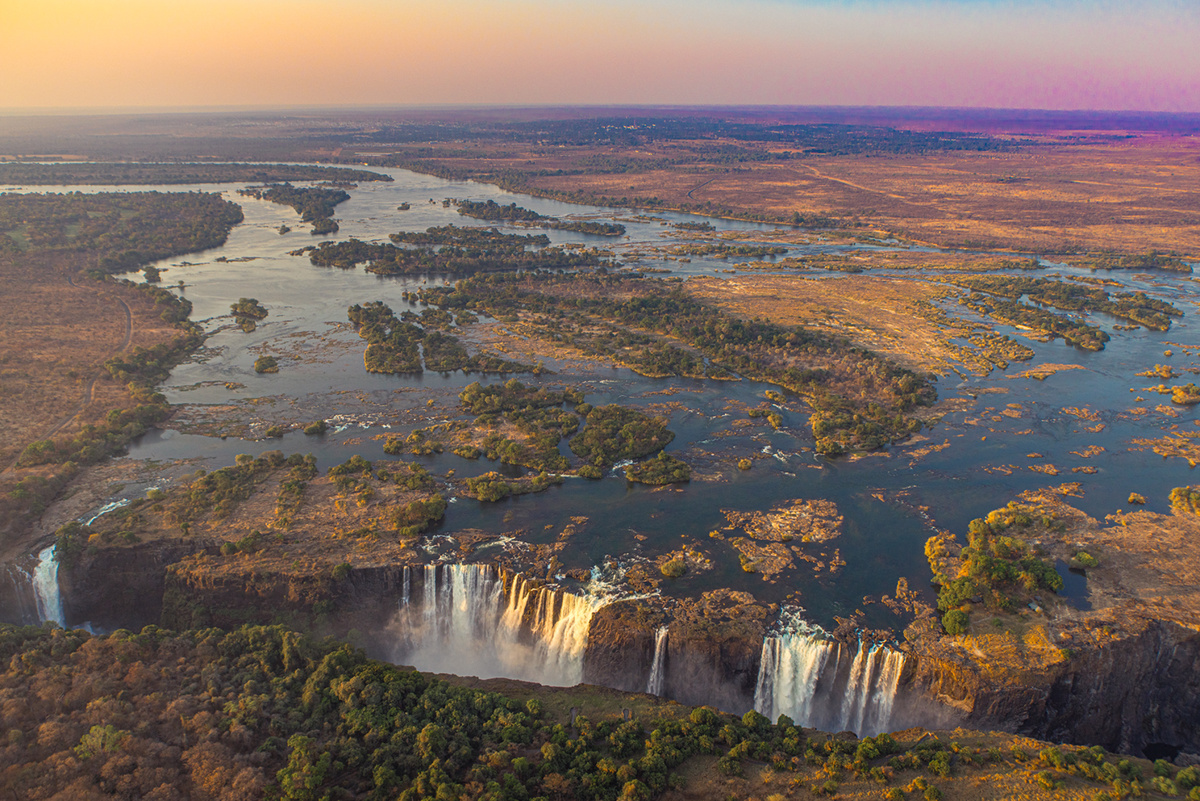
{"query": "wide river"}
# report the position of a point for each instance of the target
(881, 495)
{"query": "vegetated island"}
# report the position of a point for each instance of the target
(455, 251)
(491, 210)
(657, 328)
(314, 204)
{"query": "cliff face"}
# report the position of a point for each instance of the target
(362, 601)
(714, 644)
(1136, 690)
(1140, 690)
(121, 587)
(170, 584)
(620, 646)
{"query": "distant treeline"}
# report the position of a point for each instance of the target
(125, 173)
(822, 138)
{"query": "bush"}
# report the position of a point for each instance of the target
(266, 364)
(673, 568)
(319, 427)
(955, 622)
(660, 470)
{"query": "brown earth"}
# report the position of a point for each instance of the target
(876, 313)
(1101, 671)
(1130, 195)
(56, 331)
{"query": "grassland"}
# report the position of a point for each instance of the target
(60, 325)
(1053, 194)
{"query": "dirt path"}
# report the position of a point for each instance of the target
(700, 186)
(860, 187)
(89, 393)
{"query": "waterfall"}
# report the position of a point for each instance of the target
(813, 680)
(787, 677)
(45, 588)
(475, 620)
(658, 673)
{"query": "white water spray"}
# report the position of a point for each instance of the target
(474, 620)
(813, 679)
(658, 673)
(45, 588)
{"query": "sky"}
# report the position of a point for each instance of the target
(1047, 54)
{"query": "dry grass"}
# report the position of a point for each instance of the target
(877, 313)
(1129, 195)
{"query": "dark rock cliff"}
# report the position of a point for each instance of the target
(123, 587)
(714, 644)
(1141, 690)
(620, 649)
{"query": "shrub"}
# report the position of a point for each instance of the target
(266, 364)
(673, 568)
(955, 622)
(319, 427)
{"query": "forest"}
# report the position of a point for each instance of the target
(262, 712)
(116, 232)
(449, 260)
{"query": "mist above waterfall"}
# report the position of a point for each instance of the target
(822, 683)
(475, 620)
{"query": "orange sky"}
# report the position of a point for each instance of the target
(1022, 53)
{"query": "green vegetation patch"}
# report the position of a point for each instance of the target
(662, 469)
(119, 231)
(996, 567)
(614, 433)
(394, 345)
(1137, 307)
(269, 713)
(247, 313)
(858, 399)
